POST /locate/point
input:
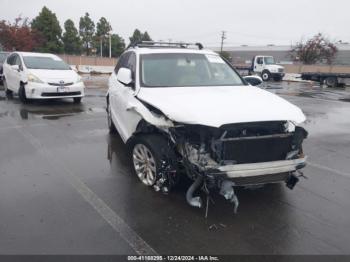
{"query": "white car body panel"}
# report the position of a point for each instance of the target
(68, 76)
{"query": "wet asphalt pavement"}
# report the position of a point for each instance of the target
(66, 187)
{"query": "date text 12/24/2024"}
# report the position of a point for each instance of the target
(173, 258)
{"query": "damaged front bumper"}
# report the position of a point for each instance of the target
(256, 171)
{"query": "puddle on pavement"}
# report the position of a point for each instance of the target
(49, 113)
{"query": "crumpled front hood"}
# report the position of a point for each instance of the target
(218, 105)
(55, 76)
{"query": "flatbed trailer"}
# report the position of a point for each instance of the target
(330, 79)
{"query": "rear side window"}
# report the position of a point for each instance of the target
(2, 57)
(11, 59)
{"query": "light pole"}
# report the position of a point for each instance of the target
(101, 46)
(110, 45)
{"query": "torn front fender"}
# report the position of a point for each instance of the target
(153, 119)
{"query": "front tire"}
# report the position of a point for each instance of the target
(152, 156)
(22, 94)
(8, 92)
(331, 81)
(266, 75)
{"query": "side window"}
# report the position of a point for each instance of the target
(18, 61)
(260, 60)
(132, 64)
(123, 60)
(11, 59)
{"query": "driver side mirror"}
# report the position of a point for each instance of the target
(253, 80)
(15, 67)
(124, 76)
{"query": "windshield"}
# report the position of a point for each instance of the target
(269, 60)
(2, 57)
(50, 63)
(176, 70)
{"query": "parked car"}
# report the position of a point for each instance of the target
(41, 76)
(187, 111)
(3, 56)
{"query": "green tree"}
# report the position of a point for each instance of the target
(71, 39)
(136, 37)
(86, 31)
(118, 45)
(103, 29)
(146, 37)
(47, 24)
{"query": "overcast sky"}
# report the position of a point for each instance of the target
(253, 22)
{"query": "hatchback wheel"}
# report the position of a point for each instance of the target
(8, 92)
(22, 94)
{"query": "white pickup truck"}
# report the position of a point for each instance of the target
(266, 67)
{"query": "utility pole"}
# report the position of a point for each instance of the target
(223, 37)
(101, 46)
(110, 45)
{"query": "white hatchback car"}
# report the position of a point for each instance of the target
(187, 111)
(41, 76)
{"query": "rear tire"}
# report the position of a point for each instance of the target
(332, 81)
(8, 92)
(111, 126)
(77, 100)
(277, 78)
(266, 75)
(22, 94)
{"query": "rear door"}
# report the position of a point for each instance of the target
(17, 74)
(8, 71)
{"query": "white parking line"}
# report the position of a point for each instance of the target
(341, 173)
(47, 124)
(116, 222)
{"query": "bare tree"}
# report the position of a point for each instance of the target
(317, 49)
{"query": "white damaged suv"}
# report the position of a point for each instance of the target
(186, 111)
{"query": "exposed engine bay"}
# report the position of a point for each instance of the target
(220, 159)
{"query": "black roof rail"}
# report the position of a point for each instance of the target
(161, 44)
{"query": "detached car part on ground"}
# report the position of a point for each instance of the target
(185, 111)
